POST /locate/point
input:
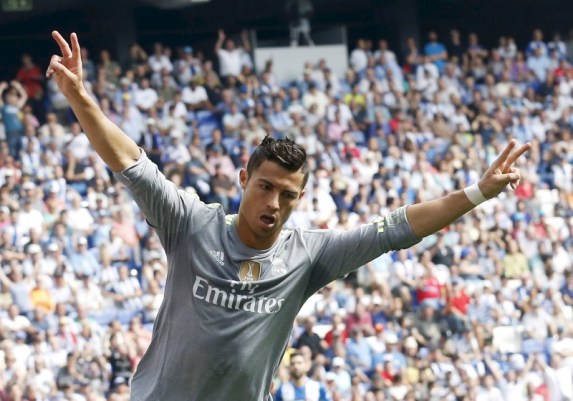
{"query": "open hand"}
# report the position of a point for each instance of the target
(502, 172)
(67, 68)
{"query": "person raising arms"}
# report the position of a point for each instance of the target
(236, 282)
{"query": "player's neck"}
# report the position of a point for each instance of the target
(250, 239)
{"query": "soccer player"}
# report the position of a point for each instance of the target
(236, 282)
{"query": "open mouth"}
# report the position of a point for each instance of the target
(268, 220)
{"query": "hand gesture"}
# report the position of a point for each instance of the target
(221, 35)
(67, 68)
(501, 172)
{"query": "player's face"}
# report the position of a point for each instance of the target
(270, 195)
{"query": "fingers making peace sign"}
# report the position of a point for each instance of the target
(502, 171)
(66, 68)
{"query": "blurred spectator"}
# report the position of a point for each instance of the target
(110, 69)
(32, 79)
(231, 57)
(299, 13)
(13, 97)
(224, 190)
(309, 338)
(145, 96)
(436, 51)
(159, 62)
(300, 386)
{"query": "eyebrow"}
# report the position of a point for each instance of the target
(288, 191)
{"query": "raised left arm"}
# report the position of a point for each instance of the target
(431, 216)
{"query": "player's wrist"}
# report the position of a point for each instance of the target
(474, 194)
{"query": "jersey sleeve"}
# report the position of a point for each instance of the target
(167, 208)
(336, 253)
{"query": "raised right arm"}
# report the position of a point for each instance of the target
(116, 149)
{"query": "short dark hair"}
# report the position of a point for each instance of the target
(285, 152)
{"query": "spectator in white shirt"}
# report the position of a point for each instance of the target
(176, 155)
(231, 57)
(383, 50)
(30, 218)
(78, 145)
(14, 322)
(127, 291)
(80, 219)
(488, 392)
(145, 96)
(315, 96)
(159, 62)
(233, 121)
(194, 96)
(187, 66)
(359, 56)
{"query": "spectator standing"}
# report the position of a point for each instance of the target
(32, 79)
(359, 56)
(411, 56)
(455, 47)
(231, 57)
(299, 13)
(436, 51)
(13, 97)
(537, 43)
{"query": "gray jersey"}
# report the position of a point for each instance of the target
(228, 309)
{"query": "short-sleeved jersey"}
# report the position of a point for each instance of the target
(228, 309)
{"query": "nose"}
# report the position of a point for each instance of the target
(273, 201)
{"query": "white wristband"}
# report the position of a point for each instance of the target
(474, 194)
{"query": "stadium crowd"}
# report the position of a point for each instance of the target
(481, 311)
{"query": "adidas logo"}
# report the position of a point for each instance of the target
(219, 257)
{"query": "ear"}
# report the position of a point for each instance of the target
(300, 196)
(243, 178)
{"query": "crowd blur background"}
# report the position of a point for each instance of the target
(483, 310)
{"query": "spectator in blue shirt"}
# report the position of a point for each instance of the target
(13, 97)
(436, 51)
(300, 386)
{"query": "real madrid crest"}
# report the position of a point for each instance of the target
(278, 267)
